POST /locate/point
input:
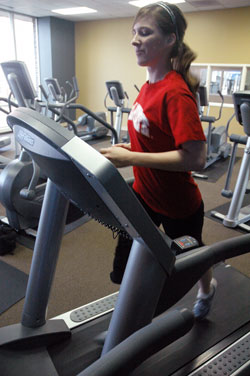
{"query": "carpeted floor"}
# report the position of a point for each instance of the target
(217, 170)
(86, 256)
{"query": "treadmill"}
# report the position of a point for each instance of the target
(150, 326)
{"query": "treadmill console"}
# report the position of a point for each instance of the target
(239, 98)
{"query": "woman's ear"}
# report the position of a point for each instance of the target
(171, 39)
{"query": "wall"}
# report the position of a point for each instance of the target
(104, 52)
(220, 36)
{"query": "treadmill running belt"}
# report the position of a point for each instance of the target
(230, 311)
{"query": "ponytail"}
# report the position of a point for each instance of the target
(181, 63)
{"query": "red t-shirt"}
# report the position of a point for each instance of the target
(163, 117)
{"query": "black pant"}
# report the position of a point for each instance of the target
(174, 228)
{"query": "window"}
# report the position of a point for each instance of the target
(25, 29)
(19, 43)
(7, 50)
(226, 80)
(224, 77)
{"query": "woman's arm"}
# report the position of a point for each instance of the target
(191, 156)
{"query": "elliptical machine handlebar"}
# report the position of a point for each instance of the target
(96, 117)
(115, 97)
(52, 90)
(74, 88)
(75, 85)
(73, 97)
(10, 104)
(221, 106)
(44, 93)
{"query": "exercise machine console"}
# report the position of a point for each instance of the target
(118, 96)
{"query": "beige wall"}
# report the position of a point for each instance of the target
(104, 52)
(220, 36)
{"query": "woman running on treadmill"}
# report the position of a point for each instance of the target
(167, 140)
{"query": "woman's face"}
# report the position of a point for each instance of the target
(150, 44)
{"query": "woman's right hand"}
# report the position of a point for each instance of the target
(118, 154)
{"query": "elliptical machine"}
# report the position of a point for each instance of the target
(118, 96)
(238, 215)
(91, 128)
(6, 140)
(21, 184)
(218, 146)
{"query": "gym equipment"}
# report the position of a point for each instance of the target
(93, 129)
(238, 215)
(20, 83)
(6, 140)
(57, 92)
(22, 184)
(49, 347)
(218, 146)
(24, 92)
(118, 96)
(236, 139)
(59, 96)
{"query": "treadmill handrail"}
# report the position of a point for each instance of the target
(130, 353)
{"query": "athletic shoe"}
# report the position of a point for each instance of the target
(116, 277)
(203, 303)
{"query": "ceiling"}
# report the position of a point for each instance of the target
(106, 8)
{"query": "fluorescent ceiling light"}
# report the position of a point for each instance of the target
(70, 11)
(142, 3)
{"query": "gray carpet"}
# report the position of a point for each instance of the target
(223, 209)
(215, 171)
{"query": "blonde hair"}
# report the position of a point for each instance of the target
(170, 19)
